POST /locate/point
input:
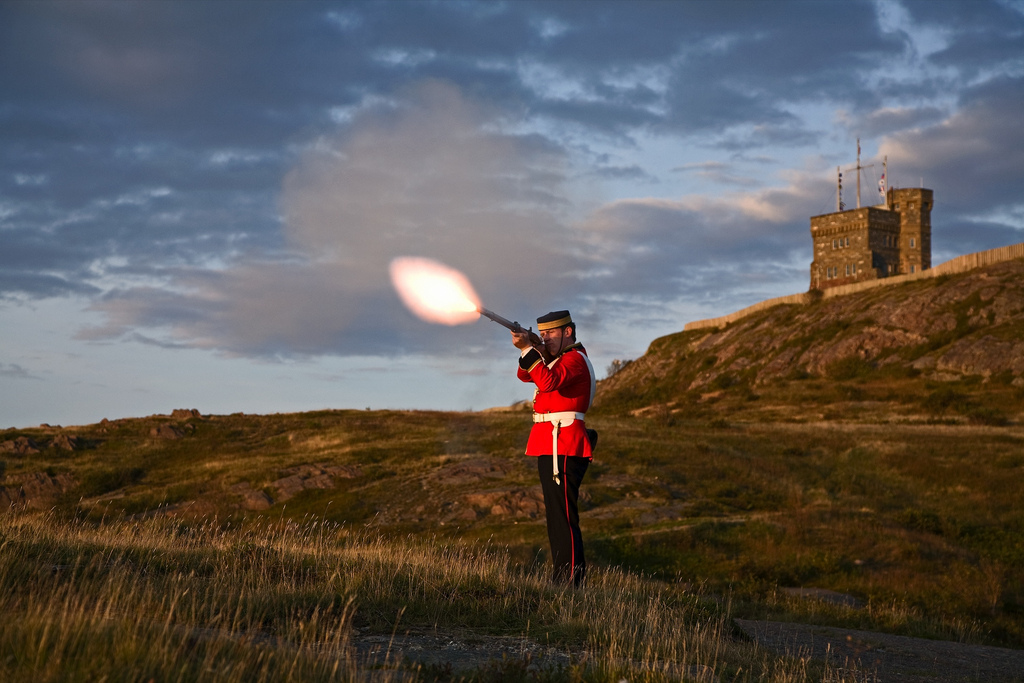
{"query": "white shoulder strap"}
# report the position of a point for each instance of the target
(593, 381)
(590, 369)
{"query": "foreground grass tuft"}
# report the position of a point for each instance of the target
(162, 600)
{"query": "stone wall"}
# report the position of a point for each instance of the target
(960, 264)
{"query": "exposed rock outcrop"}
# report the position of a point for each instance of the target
(316, 476)
(952, 327)
(65, 442)
(518, 502)
(252, 499)
(172, 431)
(293, 481)
(35, 491)
(472, 471)
(22, 445)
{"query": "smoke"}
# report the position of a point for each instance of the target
(427, 173)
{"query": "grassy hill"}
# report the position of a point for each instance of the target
(948, 349)
(862, 482)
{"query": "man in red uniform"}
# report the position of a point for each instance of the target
(559, 439)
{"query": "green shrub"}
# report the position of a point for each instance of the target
(985, 415)
(724, 381)
(616, 366)
(104, 481)
(945, 399)
(898, 371)
(850, 393)
(851, 367)
(798, 374)
(1004, 378)
(921, 520)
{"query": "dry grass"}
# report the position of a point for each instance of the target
(921, 523)
(157, 600)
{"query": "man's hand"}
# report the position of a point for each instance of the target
(521, 340)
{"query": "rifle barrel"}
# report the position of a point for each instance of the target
(504, 322)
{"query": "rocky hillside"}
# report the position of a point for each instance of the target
(964, 331)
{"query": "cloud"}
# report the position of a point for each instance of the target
(427, 174)
(890, 120)
(268, 309)
(14, 284)
(145, 146)
(653, 247)
(54, 243)
(978, 39)
(14, 371)
(718, 172)
(972, 159)
(764, 63)
(631, 172)
(108, 49)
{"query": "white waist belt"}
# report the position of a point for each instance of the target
(557, 420)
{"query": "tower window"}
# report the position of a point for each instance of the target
(913, 242)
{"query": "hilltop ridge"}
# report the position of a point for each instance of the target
(964, 331)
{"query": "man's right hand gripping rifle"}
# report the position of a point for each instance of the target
(525, 339)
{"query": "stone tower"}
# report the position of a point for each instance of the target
(873, 242)
(914, 205)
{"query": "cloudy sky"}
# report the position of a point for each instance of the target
(199, 200)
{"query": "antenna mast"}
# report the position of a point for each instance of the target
(858, 173)
(858, 168)
(839, 190)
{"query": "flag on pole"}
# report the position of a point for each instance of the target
(881, 187)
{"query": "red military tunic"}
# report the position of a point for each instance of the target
(567, 385)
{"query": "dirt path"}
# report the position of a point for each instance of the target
(465, 653)
(453, 651)
(884, 658)
(861, 655)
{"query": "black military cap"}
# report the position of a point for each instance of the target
(550, 321)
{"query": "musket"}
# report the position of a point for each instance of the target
(535, 340)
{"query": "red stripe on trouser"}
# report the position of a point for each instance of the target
(568, 523)
(560, 512)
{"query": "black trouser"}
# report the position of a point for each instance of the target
(560, 503)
